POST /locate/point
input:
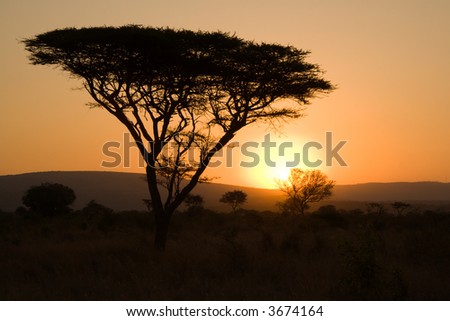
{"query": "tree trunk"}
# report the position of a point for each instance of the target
(162, 215)
(161, 230)
(303, 207)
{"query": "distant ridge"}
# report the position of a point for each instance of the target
(382, 192)
(125, 191)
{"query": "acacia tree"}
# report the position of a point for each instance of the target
(375, 208)
(400, 207)
(175, 90)
(235, 199)
(194, 204)
(303, 187)
(49, 198)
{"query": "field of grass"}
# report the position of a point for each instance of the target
(328, 255)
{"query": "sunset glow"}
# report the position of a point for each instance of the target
(228, 159)
(388, 60)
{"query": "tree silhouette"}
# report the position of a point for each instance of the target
(400, 207)
(194, 204)
(93, 208)
(235, 199)
(303, 187)
(49, 198)
(175, 90)
(375, 208)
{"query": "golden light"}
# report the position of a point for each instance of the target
(280, 173)
(264, 176)
(276, 157)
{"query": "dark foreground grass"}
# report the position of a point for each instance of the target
(210, 256)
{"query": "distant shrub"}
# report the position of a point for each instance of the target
(287, 207)
(21, 211)
(400, 207)
(93, 208)
(375, 208)
(194, 204)
(356, 211)
(49, 198)
(331, 215)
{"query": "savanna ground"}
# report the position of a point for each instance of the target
(328, 255)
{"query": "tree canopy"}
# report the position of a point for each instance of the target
(235, 199)
(176, 90)
(303, 187)
(49, 198)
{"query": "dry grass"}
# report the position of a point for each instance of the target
(252, 256)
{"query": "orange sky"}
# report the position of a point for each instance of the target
(389, 59)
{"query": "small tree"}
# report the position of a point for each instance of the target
(49, 198)
(93, 208)
(235, 199)
(400, 207)
(194, 204)
(303, 187)
(375, 208)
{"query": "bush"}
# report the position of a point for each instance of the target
(332, 216)
(93, 209)
(194, 204)
(21, 211)
(49, 198)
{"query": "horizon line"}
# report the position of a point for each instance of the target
(246, 186)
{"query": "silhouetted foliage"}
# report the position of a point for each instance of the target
(287, 207)
(332, 216)
(172, 89)
(54, 259)
(194, 200)
(49, 198)
(375, 208)
(327, 210)
(21, 211)
(303, 187)
(93, 209)
(194, 204)
(235, 199)
(400, 207)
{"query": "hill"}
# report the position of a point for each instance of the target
(125, 191)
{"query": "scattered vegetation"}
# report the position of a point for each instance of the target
(375, 208)
(400, 207)
(329, 254)
(235, 199)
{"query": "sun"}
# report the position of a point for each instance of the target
(266, 176)
(280, 172)
(274, 161)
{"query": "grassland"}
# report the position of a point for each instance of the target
(328, 255)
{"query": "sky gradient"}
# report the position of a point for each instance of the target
(388, 59)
